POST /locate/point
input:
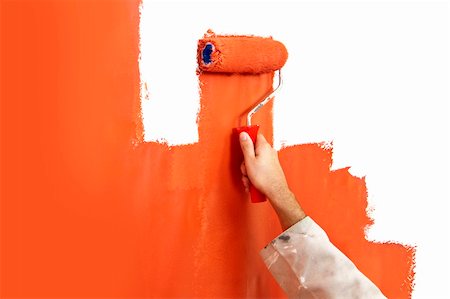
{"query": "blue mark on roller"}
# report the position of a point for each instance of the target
(206, 53)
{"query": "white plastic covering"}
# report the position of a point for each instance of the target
(307, 265)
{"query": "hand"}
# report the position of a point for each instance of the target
(262, 168)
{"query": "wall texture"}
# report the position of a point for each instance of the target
(89, 210)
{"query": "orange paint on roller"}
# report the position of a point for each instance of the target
(240, 54)
(246, 55)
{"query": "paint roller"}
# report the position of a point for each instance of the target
(246, 55)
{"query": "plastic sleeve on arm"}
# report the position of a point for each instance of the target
(307, 265)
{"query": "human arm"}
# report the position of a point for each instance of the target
(307, 265)
(302, 259)
(262, 167)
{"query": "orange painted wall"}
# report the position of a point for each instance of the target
(87, 210)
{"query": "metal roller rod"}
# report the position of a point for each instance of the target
(265, 101)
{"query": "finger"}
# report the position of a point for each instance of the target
(243, 169)
(247, 146)
(246, 183)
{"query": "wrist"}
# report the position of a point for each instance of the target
(287, 208)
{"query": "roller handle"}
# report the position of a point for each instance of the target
(255, 195)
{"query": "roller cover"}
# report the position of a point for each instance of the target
(240, 54)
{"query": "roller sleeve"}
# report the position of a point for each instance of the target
(240, 54)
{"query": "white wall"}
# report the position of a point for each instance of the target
(381, 70)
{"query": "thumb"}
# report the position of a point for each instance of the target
(247, 146)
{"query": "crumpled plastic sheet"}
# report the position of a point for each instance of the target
(307, 265)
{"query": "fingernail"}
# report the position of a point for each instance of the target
(243, 136)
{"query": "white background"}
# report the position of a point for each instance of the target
(370, 76)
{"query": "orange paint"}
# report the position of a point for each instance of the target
(338, 202)
(225, 54)
(87, 213)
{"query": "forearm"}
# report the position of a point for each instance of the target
(287, 208)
